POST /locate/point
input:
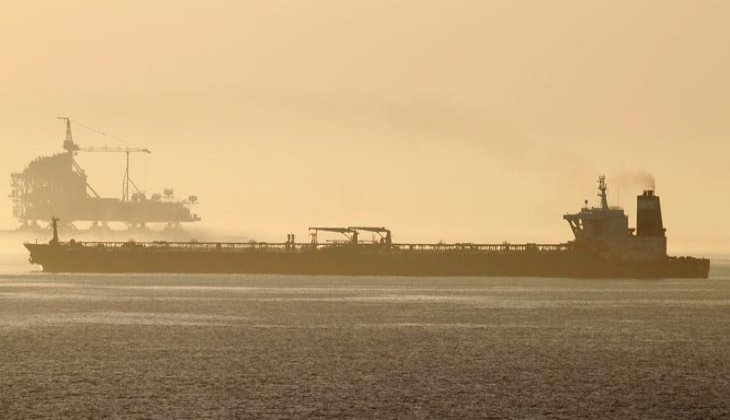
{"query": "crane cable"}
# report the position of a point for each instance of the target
(102, 133)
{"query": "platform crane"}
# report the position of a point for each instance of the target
(71, 147)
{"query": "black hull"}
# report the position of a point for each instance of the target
(344, 261)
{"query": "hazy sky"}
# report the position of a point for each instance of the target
(457, 120)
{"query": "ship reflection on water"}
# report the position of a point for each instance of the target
(337, 347)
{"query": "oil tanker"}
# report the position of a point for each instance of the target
(603, 247)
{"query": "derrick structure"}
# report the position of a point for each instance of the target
(57, 185)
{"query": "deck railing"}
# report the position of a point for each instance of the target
(310, 247)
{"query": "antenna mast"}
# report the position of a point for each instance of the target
(602, 188)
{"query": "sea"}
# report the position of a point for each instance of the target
(302, 347)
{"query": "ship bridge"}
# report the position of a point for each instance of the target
(607, 223)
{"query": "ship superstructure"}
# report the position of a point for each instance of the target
(605, 229)
(57, 185)
(604, 247)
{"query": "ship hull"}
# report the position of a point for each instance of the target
(346, 261)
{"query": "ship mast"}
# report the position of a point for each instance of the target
(54, 225)
(603, 189)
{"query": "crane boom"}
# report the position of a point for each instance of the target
(71, 147)
(332, 229)
(106, 149)
(370, 229)
(382, 231)
(350, 234)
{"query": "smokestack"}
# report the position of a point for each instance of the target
(649, 215)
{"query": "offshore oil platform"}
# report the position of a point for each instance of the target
(603, 247)
(57, 185)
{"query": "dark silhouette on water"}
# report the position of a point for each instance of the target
(604, 247)
(54, 225)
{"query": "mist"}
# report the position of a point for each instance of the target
(482, 121)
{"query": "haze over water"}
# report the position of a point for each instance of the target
(252, 346)
(463, 121)
(473, 121)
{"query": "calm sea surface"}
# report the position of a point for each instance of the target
(249, 346)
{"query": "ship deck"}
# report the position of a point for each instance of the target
(310, 247)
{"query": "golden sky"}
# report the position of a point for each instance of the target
(457, 120)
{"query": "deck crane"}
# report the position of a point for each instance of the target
(70, 146)
(349, 233)
(384, 233)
